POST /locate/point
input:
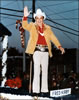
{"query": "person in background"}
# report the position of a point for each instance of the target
(25, 82)
(39, 45)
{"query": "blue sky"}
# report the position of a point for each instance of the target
(64, 12)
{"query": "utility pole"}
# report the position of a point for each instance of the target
(0, 22)
(77, 60)
(77, 53)
(0, 12)
(24, 56)
(33, 9)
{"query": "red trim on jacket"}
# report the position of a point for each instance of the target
(59, 47)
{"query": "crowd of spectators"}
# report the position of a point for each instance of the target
(56, 81)
(64, 80)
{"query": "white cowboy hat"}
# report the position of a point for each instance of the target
(39, 13)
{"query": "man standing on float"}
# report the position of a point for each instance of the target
(39, 45)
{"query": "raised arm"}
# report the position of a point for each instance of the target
(27, 26)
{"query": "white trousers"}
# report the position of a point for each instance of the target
(40, 58)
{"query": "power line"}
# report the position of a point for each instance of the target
(53, 19)
(48, 20)
(56, 0)
(63, 30)
(11, 9)
(62, 25)
(68, 36)
(11, 15)
(9, 18)
(56, 4)
(64, 11)
(42, 0)
(67, 19)
(21, 11)
(59, 29)
(49, 14)
(58, 15)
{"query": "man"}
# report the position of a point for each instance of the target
(40, 46)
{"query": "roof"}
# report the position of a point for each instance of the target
(4, 30)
